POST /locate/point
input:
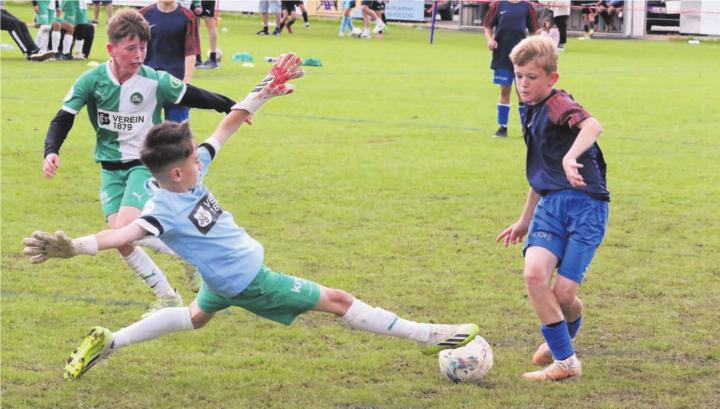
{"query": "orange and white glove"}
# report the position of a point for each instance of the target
(286, 68)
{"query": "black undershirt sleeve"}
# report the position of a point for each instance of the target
(58, 131)
(199, 98)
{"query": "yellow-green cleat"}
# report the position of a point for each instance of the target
(448, 337)
(94, 347)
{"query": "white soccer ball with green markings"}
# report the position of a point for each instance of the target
(467, 364)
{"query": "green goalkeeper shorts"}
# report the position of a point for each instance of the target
(276, 296)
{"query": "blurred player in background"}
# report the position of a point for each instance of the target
(506, 24)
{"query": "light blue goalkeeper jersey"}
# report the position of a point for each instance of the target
(195, 226)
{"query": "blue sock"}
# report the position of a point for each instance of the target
(558, 339)
(349, 24)
(574, 327)
(343, 23)
(503, 112)
(521, 110)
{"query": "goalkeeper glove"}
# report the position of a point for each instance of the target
(42, 246)
(275, 84)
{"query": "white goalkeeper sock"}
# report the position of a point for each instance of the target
(154, 326)
(67, 43)
(146, 269)
(153, 243)
(379, 321)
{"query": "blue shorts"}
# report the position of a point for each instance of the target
(502, 76)
(176, 113)
(571, 224)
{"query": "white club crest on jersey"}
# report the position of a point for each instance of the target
(205, 214)
(203, 217)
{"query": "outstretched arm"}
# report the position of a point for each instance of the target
(287, 67)
(42, 246)
(195, 97)
(519, 229)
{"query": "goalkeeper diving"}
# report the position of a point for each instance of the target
(184, 214)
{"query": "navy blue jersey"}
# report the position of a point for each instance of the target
(173, 37)
(511, 22)
(550, 129)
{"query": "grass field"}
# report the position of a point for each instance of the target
(379, 176)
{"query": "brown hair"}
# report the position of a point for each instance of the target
(128, 23)
(165, 144)
(540, 49)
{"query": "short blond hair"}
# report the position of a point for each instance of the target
(540, 49)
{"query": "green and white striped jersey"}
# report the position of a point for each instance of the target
(122, 114)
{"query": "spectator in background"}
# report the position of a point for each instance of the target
(20, 34)
(266, 7)
(76, 31)
(608, 10)
(96, 12)
(46, 21)
(549, 29)
(289, 15)
(506, 24)
(588, 15)
(174, 42)
(346, 21)
(560, 13)
(206, 10)
(379, 8)
(83, 33)
(369, 14)
(304, 12)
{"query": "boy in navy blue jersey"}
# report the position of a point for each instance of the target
(506, 24)
(186, 216)
(174, 42)
(566, 211)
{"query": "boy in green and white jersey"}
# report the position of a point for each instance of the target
(47, 23)
(70, 15)
(124, 99)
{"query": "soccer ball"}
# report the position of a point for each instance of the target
(469, 363)
(218, 55)
(356, 32)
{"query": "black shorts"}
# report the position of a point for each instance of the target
(289, 6)
(374, 5)
(103, 2)
(208, 8)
